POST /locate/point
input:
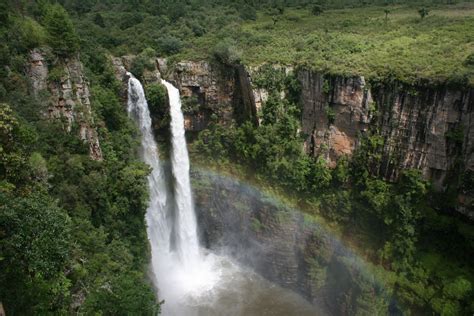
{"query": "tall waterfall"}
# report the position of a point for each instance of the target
(186, 228)
(158, 225)
(181, 273)
(189, 280)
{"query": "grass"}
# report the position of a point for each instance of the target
(358, 41)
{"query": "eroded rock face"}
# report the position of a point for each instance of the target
(209, 92)
(37, 71)
(282, 245)
(430, 129)
(335, 111)
(211, 87)
(425, 128)
(69, 96)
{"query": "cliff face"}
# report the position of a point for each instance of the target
(426, 128)
(69, 96)
(211, 87)
(284, 246)
(334, 112)
(208, 91)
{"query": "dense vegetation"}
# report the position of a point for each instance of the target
(72, 232)
(377, 39)
(393, 225)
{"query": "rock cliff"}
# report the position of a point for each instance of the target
(209, 91)
(69, 95)
(284, 246)
(428, 128)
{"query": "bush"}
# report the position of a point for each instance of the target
(227, 53)
(169, 45)
(157, 100)
(469, 60)
(248, 13)
(30, 33)
(144, 61)
(61, 33)
(317, 10)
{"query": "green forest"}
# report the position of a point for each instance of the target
(73, 237)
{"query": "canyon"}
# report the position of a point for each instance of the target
(429, 127)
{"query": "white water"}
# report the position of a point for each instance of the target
(190, 280)
(186, 228)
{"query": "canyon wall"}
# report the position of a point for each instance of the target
(209, 92)
(66, 91)
(285, 246)
(430, 128)
(427, 128)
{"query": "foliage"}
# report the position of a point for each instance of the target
(227, 53)
(157, 98)
(61, 33)
(169, 45)
(122, 296)
(143, 61)
(317, 9)
(248, 12)
(423, 12)
(70, 227)
(30, 34)
(34, 244)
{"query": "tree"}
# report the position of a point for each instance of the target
(61, 33)
(317, 10)
(99, 20)
(227, 53)
(387, 12)
(248, 12)
(169, 45)
(124, 294)
(157, 98)
(34, 247)
(423, 12)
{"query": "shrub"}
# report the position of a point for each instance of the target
(248, 13)
(227, 53)
(61, 33)
(30, 33)
(469, 60)
(317, 10)
(156, 96)
(169, 45)
(143, 61)
(56, 74)
(423, 12)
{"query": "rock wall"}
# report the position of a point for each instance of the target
(426, 128)
(211, 86)
(69, 96)
(284, 246)
(216, 92)
(335, 111)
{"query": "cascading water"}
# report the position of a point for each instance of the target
(158, 227)
(180, 272)
(190, 280)
(186, 228)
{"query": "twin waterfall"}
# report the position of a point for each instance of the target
(181, 272)
(190, 280)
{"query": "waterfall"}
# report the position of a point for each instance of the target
(185, 225)
(158, 224)
(182, 274)
(191, 281)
